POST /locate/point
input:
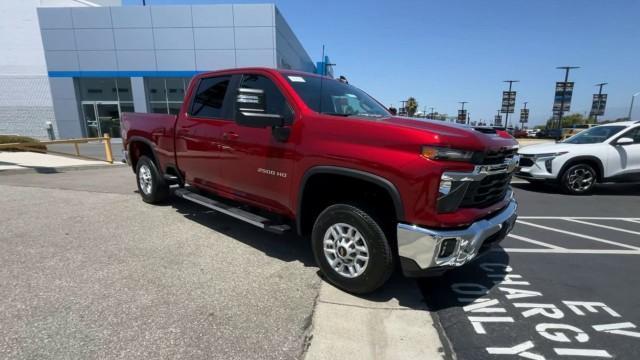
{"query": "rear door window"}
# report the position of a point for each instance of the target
(209, 98)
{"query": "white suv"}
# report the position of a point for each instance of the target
(605, 153)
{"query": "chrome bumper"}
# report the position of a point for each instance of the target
(423, 246)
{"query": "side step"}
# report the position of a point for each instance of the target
(235, 212)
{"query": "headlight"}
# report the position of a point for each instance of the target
(444, 153)
(541, 156)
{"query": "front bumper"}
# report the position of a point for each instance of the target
(423, 253)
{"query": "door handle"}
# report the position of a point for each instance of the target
(229, 135)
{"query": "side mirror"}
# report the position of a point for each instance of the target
(250, 110)
(624, 141)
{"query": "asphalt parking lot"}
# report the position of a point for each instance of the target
(88, 273)
(563, 285)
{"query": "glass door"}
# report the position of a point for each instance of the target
(108, 118)
(102, 118)
(90, 119)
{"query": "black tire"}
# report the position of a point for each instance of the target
(380, 263)
(157, 190)
(578, 179)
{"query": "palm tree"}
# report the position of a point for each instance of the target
(412, 106)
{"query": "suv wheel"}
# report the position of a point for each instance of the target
(578, 179)
(151, 185)
(351, 249)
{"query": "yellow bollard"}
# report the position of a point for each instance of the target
(107, 148)
(75, 145)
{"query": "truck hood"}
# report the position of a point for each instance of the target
(455, 135)
(546, 148)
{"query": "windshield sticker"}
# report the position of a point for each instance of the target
(296, 79)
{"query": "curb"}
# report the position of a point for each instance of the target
(59, 169)
(391, 324)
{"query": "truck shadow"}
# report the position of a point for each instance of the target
(463, 285)
(287, 247)
(291, 247)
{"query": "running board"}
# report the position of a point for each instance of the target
(235, 212)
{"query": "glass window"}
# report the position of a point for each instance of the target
(105, 89)
(634, 134)
(274, 101)
(595, 135)
(124, 89)
(175, 89)
(155, 89)
(333, 97)
(210, 96)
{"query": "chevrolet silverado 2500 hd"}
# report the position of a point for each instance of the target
(289, 150)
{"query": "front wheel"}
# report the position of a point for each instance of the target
(351, 249)
(578, 179)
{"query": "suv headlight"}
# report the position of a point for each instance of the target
(549, 155)
(445, 153)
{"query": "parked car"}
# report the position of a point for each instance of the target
(520, 133)
(286, 150)
(605, 153)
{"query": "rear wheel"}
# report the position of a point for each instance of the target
(351, 249)
(151, 185)
(578, 179)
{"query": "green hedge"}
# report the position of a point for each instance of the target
(10, 139)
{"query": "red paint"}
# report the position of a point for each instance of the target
(390, 148)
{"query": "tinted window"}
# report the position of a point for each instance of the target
(274, 101)
(634, 134)
(210, 96)
(595, 135)
(333, 97)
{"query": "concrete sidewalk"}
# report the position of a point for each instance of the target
(390, 324)
(12, 162)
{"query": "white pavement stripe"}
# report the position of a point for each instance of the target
(526, 239)
(580, 235)
(603, 226)
(570, 251)
(632, 219)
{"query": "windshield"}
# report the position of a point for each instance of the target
(594, 135)
(337, 98)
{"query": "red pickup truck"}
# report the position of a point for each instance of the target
(286, 150)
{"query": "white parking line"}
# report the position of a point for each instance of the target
(579, 235)
(526, 239)
(570, 251)
(602, 226)
(632, 219)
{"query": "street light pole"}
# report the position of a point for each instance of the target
(431, 115)
(631, 107)
(564, 90)
(595, 116)
(506, 119)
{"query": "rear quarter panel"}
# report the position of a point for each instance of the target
(154, 129)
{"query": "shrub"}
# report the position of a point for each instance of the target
(10, 139)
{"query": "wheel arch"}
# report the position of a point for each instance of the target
(138, 146)
(591, 160)
(387, 186)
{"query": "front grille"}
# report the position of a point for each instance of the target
(526, 162)
(486, 192)
(497, 157)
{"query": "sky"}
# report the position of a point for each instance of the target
(443, 52)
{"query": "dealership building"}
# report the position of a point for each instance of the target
(100, 61)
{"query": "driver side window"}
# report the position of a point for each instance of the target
(274, 101)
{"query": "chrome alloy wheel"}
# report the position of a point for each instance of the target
(580, 179)
(346, 250)
(145, 180)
